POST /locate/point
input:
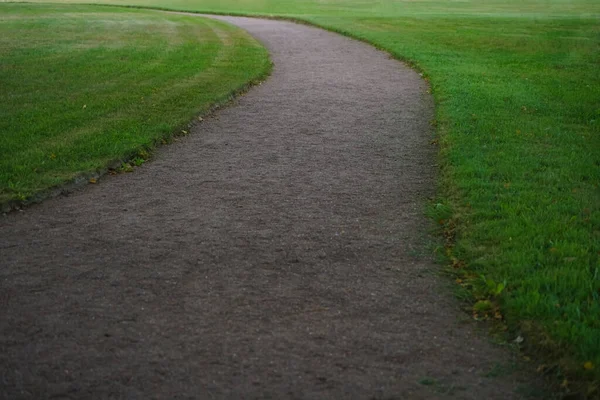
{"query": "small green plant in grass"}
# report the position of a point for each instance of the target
(125, 167)
(490, 288)
(488, 292)
(483, 307)
(138, 161)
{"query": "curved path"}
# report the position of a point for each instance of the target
(275, 253)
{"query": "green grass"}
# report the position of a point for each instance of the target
(84, 86)
(517, 90)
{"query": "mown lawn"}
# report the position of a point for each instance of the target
(82, 87)
(517, 88)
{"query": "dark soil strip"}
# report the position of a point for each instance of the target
(274, 253)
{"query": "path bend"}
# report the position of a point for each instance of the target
(277, 252)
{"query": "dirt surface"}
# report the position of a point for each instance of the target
(277, 252)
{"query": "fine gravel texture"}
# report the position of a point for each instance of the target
(277, 252)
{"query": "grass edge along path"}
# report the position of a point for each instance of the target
(67, 123)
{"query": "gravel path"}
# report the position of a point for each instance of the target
(277, 252)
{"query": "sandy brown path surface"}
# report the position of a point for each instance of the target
(275, 253)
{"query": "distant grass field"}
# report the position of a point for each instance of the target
(517, 88)
(84, 86)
